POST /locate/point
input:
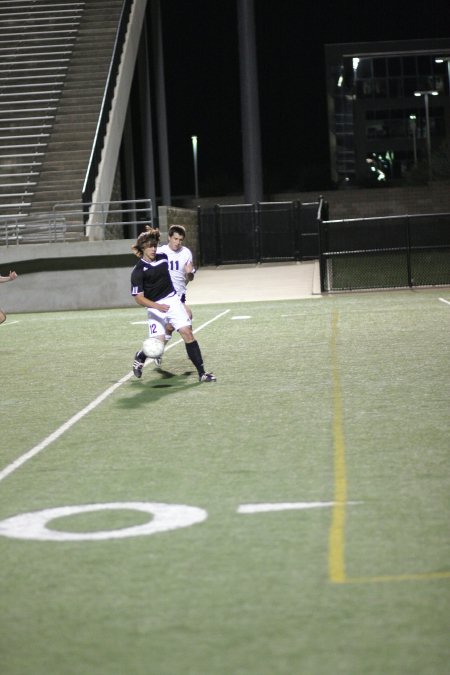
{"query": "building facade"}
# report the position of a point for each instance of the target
(388, 108)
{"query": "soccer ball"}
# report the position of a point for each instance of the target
(153, 347)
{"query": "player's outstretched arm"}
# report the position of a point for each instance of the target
(11, 276)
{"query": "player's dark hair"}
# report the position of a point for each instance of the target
(150, 236)
(177, 229)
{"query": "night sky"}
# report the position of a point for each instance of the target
(203, 92)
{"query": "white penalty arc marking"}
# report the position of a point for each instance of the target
(447, 302)
(33, 525)
(287, 506)
(82, 413)
(240, 318)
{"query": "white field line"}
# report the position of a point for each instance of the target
(446, 301)
(288, 506)
(20, 461)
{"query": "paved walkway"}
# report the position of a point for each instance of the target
(248, 283)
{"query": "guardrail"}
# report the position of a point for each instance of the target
(65, 222)
(97, 147)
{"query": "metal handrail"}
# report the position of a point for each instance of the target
(66, 217)
(97, 147)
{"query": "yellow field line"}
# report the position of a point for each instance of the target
(336, 551)
(336, 548)
(424, 576)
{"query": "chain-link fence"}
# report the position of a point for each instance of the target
(391, 252)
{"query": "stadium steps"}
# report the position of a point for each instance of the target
(54, 61)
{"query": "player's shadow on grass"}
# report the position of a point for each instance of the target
(152, 390)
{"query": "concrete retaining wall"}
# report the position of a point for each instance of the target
(52, 277)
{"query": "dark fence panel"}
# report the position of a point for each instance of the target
(235, 233)
(308, 230)
(277, 232)
(365, 234)
(206, 236)
(391, 252)
(262, 232)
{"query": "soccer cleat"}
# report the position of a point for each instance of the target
(137, 367)
(207, 377)
(158, 361)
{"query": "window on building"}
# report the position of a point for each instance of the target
(395, 87)
(394, 66)
(409, 66)
(379, 67)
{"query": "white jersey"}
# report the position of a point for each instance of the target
(177, 264)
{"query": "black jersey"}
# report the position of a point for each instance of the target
(152, 278)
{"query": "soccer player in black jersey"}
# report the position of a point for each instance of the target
(152, 288)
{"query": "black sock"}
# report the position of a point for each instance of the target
(195, 355)
(140, 356)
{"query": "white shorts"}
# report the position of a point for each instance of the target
(176, 315)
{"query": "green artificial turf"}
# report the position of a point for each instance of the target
(335, 398)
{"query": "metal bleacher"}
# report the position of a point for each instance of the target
(54, 59)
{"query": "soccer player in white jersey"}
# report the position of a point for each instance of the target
(181, 266)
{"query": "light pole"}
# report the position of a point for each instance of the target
(413, 126)
(426, 95)
(194, 152)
